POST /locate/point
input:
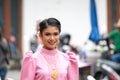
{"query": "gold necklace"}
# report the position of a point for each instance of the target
(54, 73)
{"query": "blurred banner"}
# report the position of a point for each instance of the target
(94, 35)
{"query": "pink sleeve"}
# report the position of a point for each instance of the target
(28, 67)
(73, 70)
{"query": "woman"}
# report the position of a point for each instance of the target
(48, 63)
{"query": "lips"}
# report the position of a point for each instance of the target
(52, 42)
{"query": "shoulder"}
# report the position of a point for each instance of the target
(70, 56)
(29, 56)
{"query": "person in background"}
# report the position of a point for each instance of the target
(35, 42)
(4, 50)
(15, 55)
(115, 37)
(48, 63)
(39, 46)
(65, 45)
(13, 47)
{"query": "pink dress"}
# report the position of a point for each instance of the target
(38, 66)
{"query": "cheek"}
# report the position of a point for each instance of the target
(57, 38)
(44, 39)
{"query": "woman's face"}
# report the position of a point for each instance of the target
(50, 37)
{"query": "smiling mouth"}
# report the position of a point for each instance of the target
(51, 42)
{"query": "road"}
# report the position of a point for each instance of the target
(15, 74)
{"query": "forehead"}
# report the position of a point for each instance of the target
(51, 29)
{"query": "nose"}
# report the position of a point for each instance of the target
(52, 37)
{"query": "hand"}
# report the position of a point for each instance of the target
(111, 52)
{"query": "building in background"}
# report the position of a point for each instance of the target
(18, 17)
(11, 19)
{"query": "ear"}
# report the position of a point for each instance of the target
(38, 34)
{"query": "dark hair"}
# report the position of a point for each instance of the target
(50, 21)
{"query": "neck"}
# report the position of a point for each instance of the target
(49, 48)
(49, 52)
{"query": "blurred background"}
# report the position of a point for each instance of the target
(18, 21)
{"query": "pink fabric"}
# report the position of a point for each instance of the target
(35, 66)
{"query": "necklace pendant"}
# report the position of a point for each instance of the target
(54, 74)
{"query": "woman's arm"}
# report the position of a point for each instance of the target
(28, 67)
(73, 70)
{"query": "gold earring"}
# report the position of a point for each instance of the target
(58, 41)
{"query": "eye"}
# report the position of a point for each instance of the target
(47, 34)
(56, 33)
